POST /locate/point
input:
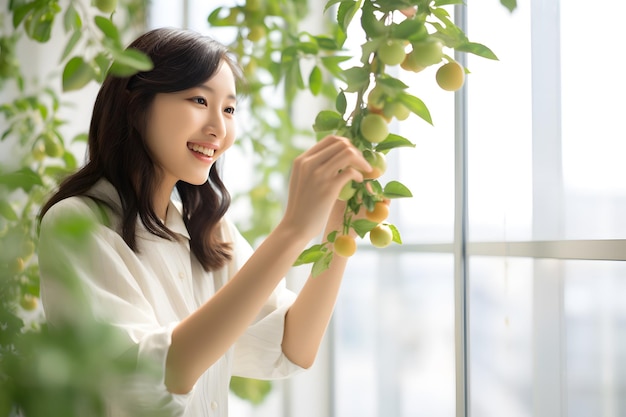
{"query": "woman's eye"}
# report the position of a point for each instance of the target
(200, 100)
(230, 110)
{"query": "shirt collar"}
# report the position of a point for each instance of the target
(174, 219)
(104, 191)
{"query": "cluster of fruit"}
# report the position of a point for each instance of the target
(378, 102)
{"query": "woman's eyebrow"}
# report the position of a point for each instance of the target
(211, 90)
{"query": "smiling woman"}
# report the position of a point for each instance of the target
(176, 277)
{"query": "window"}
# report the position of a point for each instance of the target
(506, 297)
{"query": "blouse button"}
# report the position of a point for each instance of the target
(181, 275)
(213, 405)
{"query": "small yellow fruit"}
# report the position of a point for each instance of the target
(29, 302)
(381, 236)
(378, 161)
(16, 266)
(345, 246)
(410, 63)
(450, 76)
(379, 213)
(39, 151)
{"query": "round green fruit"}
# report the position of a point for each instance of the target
(257, 32)
(347, 192)
(106, 6)
(428, 52)
(374, 128)
(391, 52)
(397, 110)
(52, 146)
(375, 99)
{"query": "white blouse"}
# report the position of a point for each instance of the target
(146, 294)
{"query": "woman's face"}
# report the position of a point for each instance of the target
(188, 130)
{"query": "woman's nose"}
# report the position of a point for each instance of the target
(215, 125)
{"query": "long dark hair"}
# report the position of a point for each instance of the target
(117, 150)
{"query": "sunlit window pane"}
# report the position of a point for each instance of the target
(394, 337)
(500, 311)
(595, 325)
(499, 124)
(594, 142)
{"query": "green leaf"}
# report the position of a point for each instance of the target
(217, 19)
(439, 3)
(330, 3)
(253, 390)
(310, 255)
(395, 234)
(24, 178)
(326, 42)
(477, 49)
(70, 160)
(102, 62)
(19, 13)
(509, 4)
(394, 141)
(71, 43)
(345, 13)
(332, 64)
(108, 29)
(392, 84)
(308, 48)
(76, 74)
(71, 19)
(416, 105)
(7, 211)
(327, 120)
(321, 264)
(356, 78)
(395, 189)
(315, 80)
(409, 29)
(373, 27)
(363, 226)
(81, 137)
(39, 24)
(130, 61)
(341, 103)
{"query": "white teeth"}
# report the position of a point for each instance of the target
(200, 149)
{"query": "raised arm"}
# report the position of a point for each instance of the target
(201, 339)
(307, 319)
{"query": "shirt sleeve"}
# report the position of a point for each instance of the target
(258, 352)
(93, 274)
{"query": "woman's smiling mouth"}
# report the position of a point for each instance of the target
(200, 149)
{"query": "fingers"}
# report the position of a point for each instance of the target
(335, 154)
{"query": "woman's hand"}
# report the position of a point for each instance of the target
(316, 180)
